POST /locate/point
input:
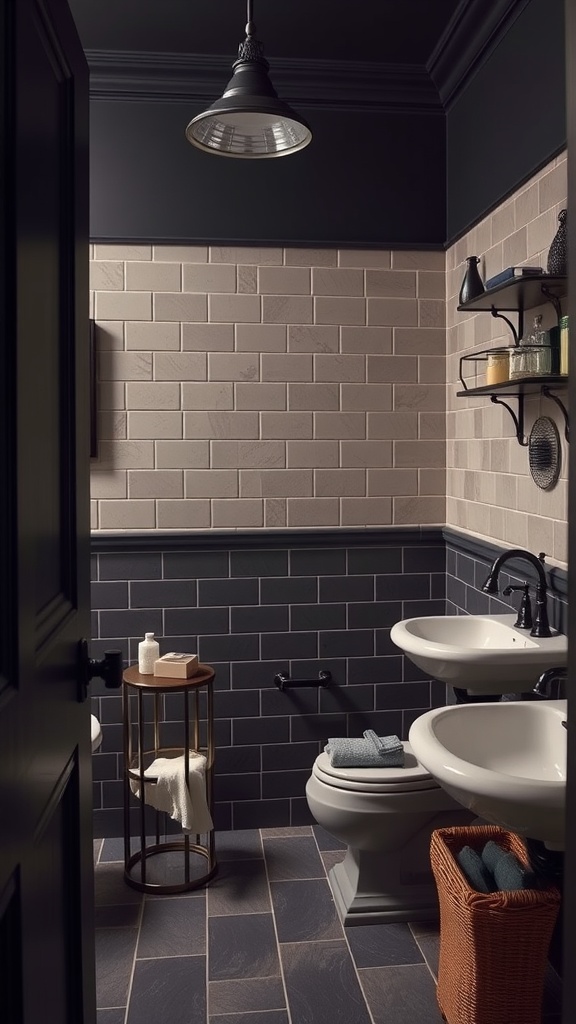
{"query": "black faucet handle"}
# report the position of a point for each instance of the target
(524, 619)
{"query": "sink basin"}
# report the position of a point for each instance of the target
(485, 654)
(506, 762)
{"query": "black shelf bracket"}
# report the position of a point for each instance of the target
(516, 332)
(549, 394)
(518, 419)
(554, 299)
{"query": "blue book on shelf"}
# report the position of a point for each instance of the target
(510, 273)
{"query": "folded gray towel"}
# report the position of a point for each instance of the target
(364, 752)
(475, 870)
(389, 748)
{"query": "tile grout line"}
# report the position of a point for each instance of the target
(415, 937)
(280, 964)
(132, 972)
(355, 968)
(206, 952)
(169, 956)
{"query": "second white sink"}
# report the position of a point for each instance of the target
(485, 654)
(506, 762)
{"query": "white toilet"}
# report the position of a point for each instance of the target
(385, 816)
(95, 733)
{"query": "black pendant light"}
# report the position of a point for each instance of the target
(249, 121)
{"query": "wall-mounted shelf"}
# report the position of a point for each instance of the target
(519, 389)
(518, 295)
(520, 386)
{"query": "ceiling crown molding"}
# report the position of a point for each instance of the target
(318, 84)
(469, 38)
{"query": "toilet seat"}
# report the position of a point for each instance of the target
(412, 777)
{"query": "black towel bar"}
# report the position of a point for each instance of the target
(283, 681)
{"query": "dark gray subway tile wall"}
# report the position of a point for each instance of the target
(262, 605)
(468, 561)
(252, 613)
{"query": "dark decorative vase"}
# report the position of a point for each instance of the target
(558, 252)
(472, 285)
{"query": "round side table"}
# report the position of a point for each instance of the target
(166, 718)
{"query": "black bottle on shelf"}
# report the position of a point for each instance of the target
(472, 285)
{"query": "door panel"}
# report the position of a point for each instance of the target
(11, 952)
(46, 874)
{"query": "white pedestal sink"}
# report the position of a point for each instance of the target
(506, 762)
(484, 654)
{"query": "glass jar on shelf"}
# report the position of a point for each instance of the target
(498, 366)
(519, 362)
(538, 335)
(533, 356)
(530, 361)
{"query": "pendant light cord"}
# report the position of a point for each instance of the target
(250, 26)
(251, 49)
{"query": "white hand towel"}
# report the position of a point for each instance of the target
(184, 803)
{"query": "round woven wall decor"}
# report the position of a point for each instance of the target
(544, 453)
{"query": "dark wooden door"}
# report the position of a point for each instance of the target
(569, 896)
(46, 874)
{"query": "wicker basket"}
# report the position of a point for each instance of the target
(493, 948)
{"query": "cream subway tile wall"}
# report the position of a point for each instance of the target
(254, 388)
(489, 489)
(257, 363)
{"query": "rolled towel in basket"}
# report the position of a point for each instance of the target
(475, 870)
(508, 872)
(365, 752)
(169, 792)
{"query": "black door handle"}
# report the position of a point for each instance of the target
(108, 668)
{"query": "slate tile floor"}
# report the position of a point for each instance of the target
(261, 944)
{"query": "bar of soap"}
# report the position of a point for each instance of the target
(176, 666)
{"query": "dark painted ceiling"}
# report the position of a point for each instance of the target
(386, 31)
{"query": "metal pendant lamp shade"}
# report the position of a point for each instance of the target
(249, 121)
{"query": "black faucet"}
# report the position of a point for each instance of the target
(552, 684)
(541, 627)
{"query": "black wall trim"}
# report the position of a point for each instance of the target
(262, 540)
(320, 84)
(469, 545)
(253, 540)
(471, 35)
(298, 243)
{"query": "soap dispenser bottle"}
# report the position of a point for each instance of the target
(148, 652)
